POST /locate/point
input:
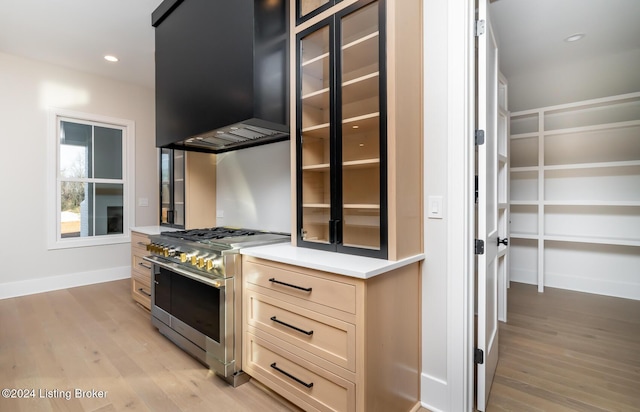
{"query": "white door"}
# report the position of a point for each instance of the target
(488, 204)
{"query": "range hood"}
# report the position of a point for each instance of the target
(221, 74)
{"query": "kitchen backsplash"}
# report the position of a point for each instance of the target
(254, 188)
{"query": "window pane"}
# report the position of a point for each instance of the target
(72, 197)
(107, 153)
(108, 208)
(75, 150)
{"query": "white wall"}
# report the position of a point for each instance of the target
(254, 188)
(608, 75)
(447, 280)
(28, 89)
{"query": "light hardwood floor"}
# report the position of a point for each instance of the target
(560, 351)
(567, 351)
(95, 338)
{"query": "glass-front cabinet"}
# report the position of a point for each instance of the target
(341, 133)
(172, 188)
(306, 9)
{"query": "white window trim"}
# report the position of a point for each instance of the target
(54, 241)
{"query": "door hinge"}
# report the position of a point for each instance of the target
(478, 356)
(476, 189)
(479, 137)
(479, 247)
(479, 29)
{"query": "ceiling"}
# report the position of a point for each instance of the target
(531, 34)
(78, 33)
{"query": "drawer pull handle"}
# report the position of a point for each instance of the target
(144, 292)
(287, 374)
(273, 280)
(306, 332)
(144, 266)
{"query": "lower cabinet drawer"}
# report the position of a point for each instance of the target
(298, 380)
(321, 335)
(140, 265)
(141, 291)
(305, 287)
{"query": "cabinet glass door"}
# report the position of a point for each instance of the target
(309, 8)
(165, 186)
(360, 108)
(315, 123)
(178, 188)
(172, 187)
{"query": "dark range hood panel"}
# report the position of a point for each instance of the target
(221, 74)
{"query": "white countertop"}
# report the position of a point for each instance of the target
(153, 230)
(340, 263)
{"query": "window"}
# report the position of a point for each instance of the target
(90, 188)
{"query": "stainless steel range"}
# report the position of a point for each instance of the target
(196, 292)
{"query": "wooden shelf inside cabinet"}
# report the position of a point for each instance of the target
(360, 88)
(316, 61)
(324, 167)
(365, 122)
(361, 206)
(320, 130)
(360, 53)
(360, 164)
(318, 99)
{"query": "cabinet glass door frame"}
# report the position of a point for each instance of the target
(335, 241)
(301, 17)
(169, 195)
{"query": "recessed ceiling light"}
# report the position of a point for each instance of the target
(574, 37)
(110, 58)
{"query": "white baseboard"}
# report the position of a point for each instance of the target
(47, 284)
(434, 393)
(523, 276)
(602, 286)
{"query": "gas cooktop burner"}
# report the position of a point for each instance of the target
(199, 235)
(204, 249)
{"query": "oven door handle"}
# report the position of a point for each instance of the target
(218, 282)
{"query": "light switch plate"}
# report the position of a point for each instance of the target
(143, 202)
(434, 207)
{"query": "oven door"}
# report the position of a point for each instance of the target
(195, 312)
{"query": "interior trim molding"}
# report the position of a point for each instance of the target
(434, 392)
(51, 283)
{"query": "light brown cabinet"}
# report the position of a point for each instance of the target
(358, 128)
(140, 270)
(328, 342)
(187, 189)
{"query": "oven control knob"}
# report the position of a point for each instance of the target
(200, 262)
(165, 251)
(194, 260)
(183, 257)
(209, 263)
